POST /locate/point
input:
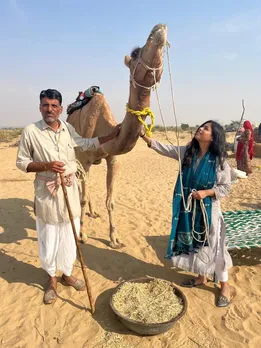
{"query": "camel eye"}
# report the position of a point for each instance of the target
(135, 53)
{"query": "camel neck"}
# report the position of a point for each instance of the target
(139, 98)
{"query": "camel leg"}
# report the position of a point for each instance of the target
(92, 213)
(112, 167)
(85, 197)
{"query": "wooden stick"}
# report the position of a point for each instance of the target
(88, 288)
(241, 119)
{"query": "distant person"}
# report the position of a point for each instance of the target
(245, 149)
(259, 131)
(47, 148)
(238, 134)
(198, 240)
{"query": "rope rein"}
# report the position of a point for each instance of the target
(147, 111)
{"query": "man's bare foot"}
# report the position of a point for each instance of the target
(77, 284)
(50, 295)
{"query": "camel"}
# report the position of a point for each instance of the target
(96, 119)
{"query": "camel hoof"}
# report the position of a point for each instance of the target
(93, 215)
(117, 245)
(84, 238)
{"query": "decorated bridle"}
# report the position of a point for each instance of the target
(145, 111)
(139, 60)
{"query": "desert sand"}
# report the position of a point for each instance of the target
(143, 197)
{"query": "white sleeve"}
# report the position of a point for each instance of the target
(168, 150)
(86, 144)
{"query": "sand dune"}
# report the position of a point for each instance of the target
(143, 196)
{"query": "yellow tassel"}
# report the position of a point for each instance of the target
(144, 112)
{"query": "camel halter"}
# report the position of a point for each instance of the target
(132, 76)
(145, 111)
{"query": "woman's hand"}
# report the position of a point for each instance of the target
(142, 132)
(144, 136)
(201, 194)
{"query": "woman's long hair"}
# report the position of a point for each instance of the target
(216, 147)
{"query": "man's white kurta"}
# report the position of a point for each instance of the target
(40, 143)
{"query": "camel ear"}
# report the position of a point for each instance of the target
(127, 61)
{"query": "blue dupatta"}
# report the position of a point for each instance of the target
(201, 177)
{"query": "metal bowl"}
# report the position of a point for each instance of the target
(144, 328)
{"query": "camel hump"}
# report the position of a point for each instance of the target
(83, 99)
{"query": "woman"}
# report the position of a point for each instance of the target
(245, 149)
(195, 244)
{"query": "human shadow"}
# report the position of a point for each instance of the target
(159, 245)
(14, 271)
(252, 205)
(105, 316)
(246, 257)
(15, 219)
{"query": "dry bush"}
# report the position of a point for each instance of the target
(7, 135)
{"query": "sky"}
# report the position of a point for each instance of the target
(215, 55)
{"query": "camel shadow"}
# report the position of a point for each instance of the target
(117, 264)
(15, 219)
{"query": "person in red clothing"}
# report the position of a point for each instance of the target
(245, 148)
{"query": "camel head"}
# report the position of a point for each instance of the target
(146, 63)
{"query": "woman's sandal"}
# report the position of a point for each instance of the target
(78, 285)
(222, 301)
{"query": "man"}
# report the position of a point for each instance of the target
(47, 148)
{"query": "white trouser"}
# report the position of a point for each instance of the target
(57, 248)
(220, 273)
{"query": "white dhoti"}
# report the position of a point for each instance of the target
(57, 248)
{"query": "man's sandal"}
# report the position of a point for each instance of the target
(50, 295)
(78, 285)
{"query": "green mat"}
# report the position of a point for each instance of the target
(243, 228)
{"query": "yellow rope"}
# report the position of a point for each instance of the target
(144, 112)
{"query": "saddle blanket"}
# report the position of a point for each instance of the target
(82, 99)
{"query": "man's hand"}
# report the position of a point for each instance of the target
(110, 136)
(55, 166)
(201, 194)
(115, 132)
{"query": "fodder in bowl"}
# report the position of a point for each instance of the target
(148, 306)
